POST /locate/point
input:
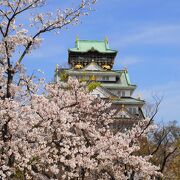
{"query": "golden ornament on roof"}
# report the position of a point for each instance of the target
(106, 67)
(92, 78)
(78, 66)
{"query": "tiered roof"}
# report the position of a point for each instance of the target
(86, 45)
(124, 81)
(91, 58)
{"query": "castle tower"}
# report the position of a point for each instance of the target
(92, 61)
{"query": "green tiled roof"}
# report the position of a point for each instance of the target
(128, 100)
(117, 86)
(86, 72)
(86, 45)
(124, 81)
(127, 77)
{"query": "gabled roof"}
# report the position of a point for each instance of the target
(87, 45)
(126, 74)
(123, 113)
(103, 93)
(93, 66)
(124, 81)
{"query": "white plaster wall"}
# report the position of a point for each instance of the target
(119, 92)
(98, 78)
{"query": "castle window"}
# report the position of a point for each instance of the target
(132, 110)
(119, 93)
(105, 78)
(123, 94)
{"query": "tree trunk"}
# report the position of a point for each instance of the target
(10, 73)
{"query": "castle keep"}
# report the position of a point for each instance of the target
(92, 61)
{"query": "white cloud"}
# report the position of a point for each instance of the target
(164, 34)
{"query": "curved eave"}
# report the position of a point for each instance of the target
(118, 86)
(90, 50)
(86, 72)
(131, 102)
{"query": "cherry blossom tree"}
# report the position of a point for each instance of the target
(17, 39)
(64, 132)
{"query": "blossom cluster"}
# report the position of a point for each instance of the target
(64, 134)
(15, 36)
(20, 36)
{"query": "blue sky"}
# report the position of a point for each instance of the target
(145, 32)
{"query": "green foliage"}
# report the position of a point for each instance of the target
(33, 160)
(63, 76)
(93, 85)
(83, 79)
(19, 175)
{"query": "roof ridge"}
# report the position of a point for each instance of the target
(91, 40)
